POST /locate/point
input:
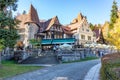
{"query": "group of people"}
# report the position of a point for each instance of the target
(100, 53)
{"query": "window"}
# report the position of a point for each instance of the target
(83, 37)
(83, 29)
(87, 30)
(89, 37)
(21, 30)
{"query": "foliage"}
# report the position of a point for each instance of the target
(92, 26)
(24, 12)
(114, 34)
(1, 44)
(114, 14)
(19, 45)
(36, 42)
(6, 19)
(105, 29)
(109, 63)
(8, 4)
(9, 37)
(7, 23)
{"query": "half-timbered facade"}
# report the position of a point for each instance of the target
(51, 28)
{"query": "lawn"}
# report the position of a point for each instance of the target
(9, 68)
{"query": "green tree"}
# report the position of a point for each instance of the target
(8, 33)
(9, 37)
(1, 48)
(36, 42)
(114, 15)
(4, 4)
(7, 22)
(92, 26)
(114, 34)
(24, 12)
(6, 8)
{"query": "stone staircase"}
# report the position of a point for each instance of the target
(46, 57)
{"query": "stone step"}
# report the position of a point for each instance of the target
(49, 59)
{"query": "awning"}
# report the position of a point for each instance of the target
(57, 41)
(46, 41)
(64, 40)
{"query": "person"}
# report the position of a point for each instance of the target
(54, 49)
(102, 53)
(98, 53)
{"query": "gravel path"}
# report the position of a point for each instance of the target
(71, 71)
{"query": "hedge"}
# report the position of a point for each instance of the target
(110, 69)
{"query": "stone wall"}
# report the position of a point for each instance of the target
(73, 55)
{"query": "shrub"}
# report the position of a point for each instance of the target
(18, 55)
(110, 65)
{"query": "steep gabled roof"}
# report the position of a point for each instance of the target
(44, 25)
(78, 19)
(49, 23)
(53, 21)
(32, 16)
(72, 28)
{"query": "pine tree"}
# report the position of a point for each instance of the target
(24, 12)
(114, 15)
(8, 37)
(6, 8)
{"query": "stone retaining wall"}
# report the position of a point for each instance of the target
(73, 55)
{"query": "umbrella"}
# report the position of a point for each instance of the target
(65, 47)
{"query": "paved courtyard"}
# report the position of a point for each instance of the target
(70, 71)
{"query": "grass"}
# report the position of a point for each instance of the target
(85, 59)
(9, 68)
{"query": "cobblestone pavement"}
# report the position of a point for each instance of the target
(70, 71)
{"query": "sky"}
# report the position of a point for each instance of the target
(96, 11)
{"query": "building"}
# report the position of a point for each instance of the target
(51, 28)
(99, 34)
(80, 30)
(51, 31)
(29, 25)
